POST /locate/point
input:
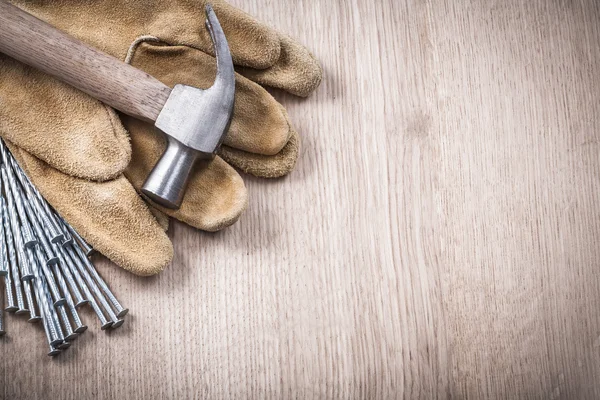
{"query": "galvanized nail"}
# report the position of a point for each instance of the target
(70, 335)
(121, 311)
(92, 285)
(2, 331)
(15, 208)
(33, 315)
(11, 306)
(87, 249)
(36, 199)
(14, 269)
(18, 234)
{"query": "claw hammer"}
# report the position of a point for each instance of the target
(195, 121)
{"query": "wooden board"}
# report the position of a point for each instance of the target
(439, 238)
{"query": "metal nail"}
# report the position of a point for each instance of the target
(64, 345)
(74, 273)
(18, 234)
(37, 255)
(3, 251)
(15, 207)
(13, 277)
(11, 306)
(121, 311)
(105, 323)
(13, 167)
(79, 326)
(53, 315)
(93, 287)
(70, 335)
(87, 249)
(52, 260)
(44, 260)
(79, 300)
(33, 315)
(2, 331)
(51, 342)
(38, 227)
(42, 300)
(68, 239)
(37, 200)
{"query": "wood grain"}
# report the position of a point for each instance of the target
(38, 44)
(439, 238)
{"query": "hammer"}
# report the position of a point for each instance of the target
(194, 120)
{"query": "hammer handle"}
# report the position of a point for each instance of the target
(40, 45)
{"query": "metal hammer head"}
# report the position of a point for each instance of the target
(195, 121)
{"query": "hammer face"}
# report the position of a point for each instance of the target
(198, 119)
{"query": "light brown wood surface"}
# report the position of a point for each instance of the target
(440, 237)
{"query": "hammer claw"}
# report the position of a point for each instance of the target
(225, 69)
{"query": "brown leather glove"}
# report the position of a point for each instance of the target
(76, 150)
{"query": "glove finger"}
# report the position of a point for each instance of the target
(216, 194)
(259, 125)
(252, 43)
(63, 127)
(296, 71)
(261, 165)
(109, 215)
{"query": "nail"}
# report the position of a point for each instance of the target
(121, 312)
(15, 207)
(105, 323)
(53, 350)
(57, 236)
(11, 306)
(17, 234)
(36, 199)
(79, 300)
(68, 239)
(39, 229)
(44, 260)
(42, 300)
(64, 345)
(92, 285)
(33, 315)
(50, 281)
(72, 269)
(52, 260)
(3, 251)
(79, 326)
(13, 270)
(70, 335)
(53, 316)
(87, 249)
(2, 331)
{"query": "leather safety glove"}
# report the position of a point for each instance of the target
(78, 153)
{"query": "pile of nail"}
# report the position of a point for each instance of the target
(45, 264)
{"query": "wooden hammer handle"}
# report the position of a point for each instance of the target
(121, 86)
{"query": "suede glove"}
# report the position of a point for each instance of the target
(89, 162)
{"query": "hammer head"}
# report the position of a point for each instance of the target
(195, 121)
(197, 118)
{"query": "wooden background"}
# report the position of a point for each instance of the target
(440, 237)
